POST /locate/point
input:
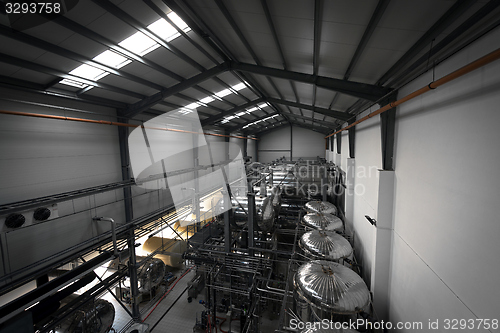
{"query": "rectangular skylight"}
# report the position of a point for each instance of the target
(263, 105)
(239, 86)
(89, 72)
(207, 99)
(139, 43)
(112, 59)
(178, 21)
(252, 109)
(223, 93)
(240, 114)
(164, 30)
(73, 83)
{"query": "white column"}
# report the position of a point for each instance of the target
(381, 268)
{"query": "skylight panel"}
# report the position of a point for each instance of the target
(178, 21)
(112, 59)
(139, 43)
(164, 30)
(223, 93)
(239, 86)
(252, 109)
(73, 83)
(263, 105)
(89, 72)
(240, 114)
(207, 100)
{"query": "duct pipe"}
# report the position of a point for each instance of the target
(105, 122)
(113, 231)
(490, 57)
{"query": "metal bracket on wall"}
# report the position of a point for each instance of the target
(387, 132)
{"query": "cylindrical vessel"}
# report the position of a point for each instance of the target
(316, 206)
(174, 247)
(328, 245)
(329, 290)
(323, 221)
(94, 317)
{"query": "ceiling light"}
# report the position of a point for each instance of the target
(139, 43)
(252, 109)
(240, 114)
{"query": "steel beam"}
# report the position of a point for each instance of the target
(55, 72)
(41, 44)
(22, 85)
(327, 112)
(352, 138)
(361, 90)
(387, 132)
(150, 101)
(466, 25)
(245, 42)
(162, 14)
(238, 108)
(374, 20)
(137, 25)
(339, 142)
(293, 115)
(458, 8)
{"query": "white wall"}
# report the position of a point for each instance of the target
(252, 149)
(274, 144)
(40, 157)
(444, 260)
(445, 255)
(368, 160)
(306, 144)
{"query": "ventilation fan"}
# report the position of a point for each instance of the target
(17, 220)
(42, 214)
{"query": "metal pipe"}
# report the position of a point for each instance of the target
(114, 123)
(490, 57)
(113, 231)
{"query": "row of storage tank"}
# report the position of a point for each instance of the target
(324, 288)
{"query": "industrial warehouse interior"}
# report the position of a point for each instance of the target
(249, 166)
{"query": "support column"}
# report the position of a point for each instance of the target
(291, 142)
(352, 139)
(338, 137)
(387, 132)
(251, 222)
(349, 194)
(245, 147)
(129, 214)
(381, 268)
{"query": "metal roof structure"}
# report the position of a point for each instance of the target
(246, 66)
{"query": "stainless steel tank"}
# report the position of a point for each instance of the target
(263, 208)
(323, 221)
(317, 206)
(94, 317)
(150, 275)
(325, 289)
(328, 245)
